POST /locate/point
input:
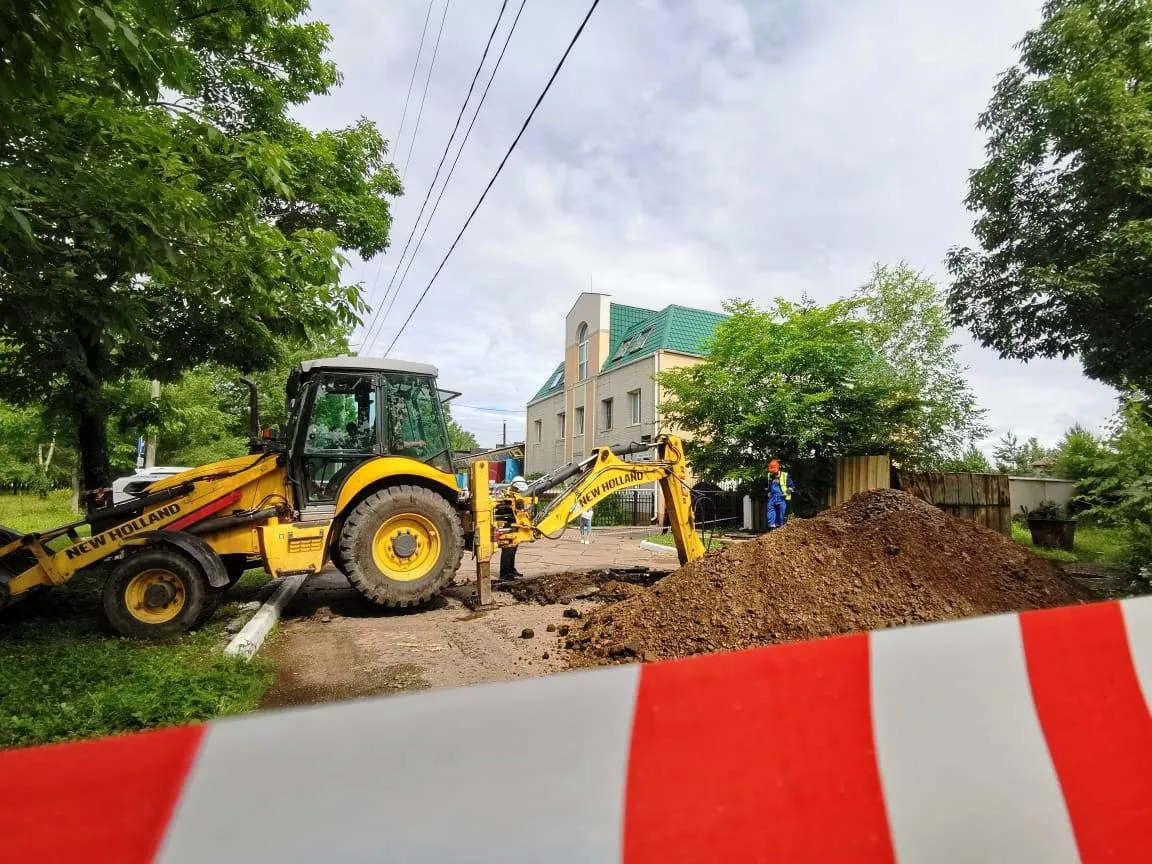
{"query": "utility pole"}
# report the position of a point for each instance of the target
(504, 441)
(150, 444)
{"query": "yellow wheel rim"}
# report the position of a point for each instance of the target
(406, 547)
(154, 596)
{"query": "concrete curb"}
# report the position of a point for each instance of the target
(248, 641)
(656, 547)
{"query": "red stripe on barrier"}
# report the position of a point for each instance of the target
(205, 511)
(1097, 726)
(764, 755)
(96, 801)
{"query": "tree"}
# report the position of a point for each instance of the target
(1077, 454)
(795, 381)
(1120, 484)
(459, 438)
(34, 456)
(910, 330)
(971, 460)
(1014, 456)
(161, 210)
(1063, 203)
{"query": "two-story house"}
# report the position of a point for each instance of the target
(606, 392)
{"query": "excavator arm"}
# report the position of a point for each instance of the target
(507, 520)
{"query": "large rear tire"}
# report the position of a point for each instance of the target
(400, 546)
(156, 593)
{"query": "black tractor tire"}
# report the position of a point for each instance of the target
(156, 593)
(426, 517)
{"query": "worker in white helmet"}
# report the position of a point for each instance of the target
(504, 514)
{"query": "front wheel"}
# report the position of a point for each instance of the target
(400, 546)
(155, 594)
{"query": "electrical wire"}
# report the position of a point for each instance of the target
(424, 95)
(396, 142)
(493, 410)
(415, 66)
(452, 169)
(368, 338)
(499, 168)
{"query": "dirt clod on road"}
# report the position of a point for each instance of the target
(882, 559)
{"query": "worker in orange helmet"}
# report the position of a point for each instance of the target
(780, 489)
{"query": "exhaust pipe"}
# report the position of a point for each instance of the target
(253, 410)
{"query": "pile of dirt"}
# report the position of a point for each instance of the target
(605, 585)
(881, 559)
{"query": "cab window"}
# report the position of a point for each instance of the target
(415, 424)
(341, 432)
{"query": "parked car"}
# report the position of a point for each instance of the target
(127, 488)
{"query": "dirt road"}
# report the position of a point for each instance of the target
(333, 644)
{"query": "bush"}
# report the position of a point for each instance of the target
(1046, 510)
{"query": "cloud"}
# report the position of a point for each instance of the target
(690, 151)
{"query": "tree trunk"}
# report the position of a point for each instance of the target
(91, 416)
(74, 499)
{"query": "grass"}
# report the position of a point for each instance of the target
(670, 541)
(64, 676)
(30, 513)
(1093, 544)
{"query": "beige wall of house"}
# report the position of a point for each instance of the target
(632, 385)
(621, 386)
(544, 446)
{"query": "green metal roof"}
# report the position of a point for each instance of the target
(673, 328)
(624, 318)
(552, 385)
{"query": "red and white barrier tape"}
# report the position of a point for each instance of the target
(1005, 739)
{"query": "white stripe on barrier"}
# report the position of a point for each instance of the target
(535, 771)
(1138, 624)
(963, 762)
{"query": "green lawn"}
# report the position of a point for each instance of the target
(30, 513)
(670, 541)
(63, 675)
(1093, 543)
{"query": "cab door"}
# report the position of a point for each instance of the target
(341, 432)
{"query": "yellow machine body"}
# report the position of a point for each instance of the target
(337, 489)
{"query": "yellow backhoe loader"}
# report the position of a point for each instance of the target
(362, 478)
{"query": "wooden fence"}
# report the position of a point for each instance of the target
(859, 474)
(982, 498)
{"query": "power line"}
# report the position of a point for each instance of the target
(427, 81)
(452, 169)
(403, 116)
(415, 66)
(492, 410)
(436, 176)
(499, 168)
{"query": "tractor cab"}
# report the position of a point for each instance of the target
(344, 411)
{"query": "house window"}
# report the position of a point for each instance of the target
(578, 425)
(623, 349)
(539, 424)
(557, 379)
(641, 340)
(560, 424)
(606, 408)
(634, 405)
(582, 338)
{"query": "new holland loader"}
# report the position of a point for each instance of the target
(362, 478)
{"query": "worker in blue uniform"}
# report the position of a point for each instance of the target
(780, 489)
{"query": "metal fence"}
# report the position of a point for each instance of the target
(627, 507)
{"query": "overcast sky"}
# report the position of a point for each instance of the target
(690, 151)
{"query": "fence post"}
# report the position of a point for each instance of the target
(747, 525)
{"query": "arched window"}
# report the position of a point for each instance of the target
(582, 338)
